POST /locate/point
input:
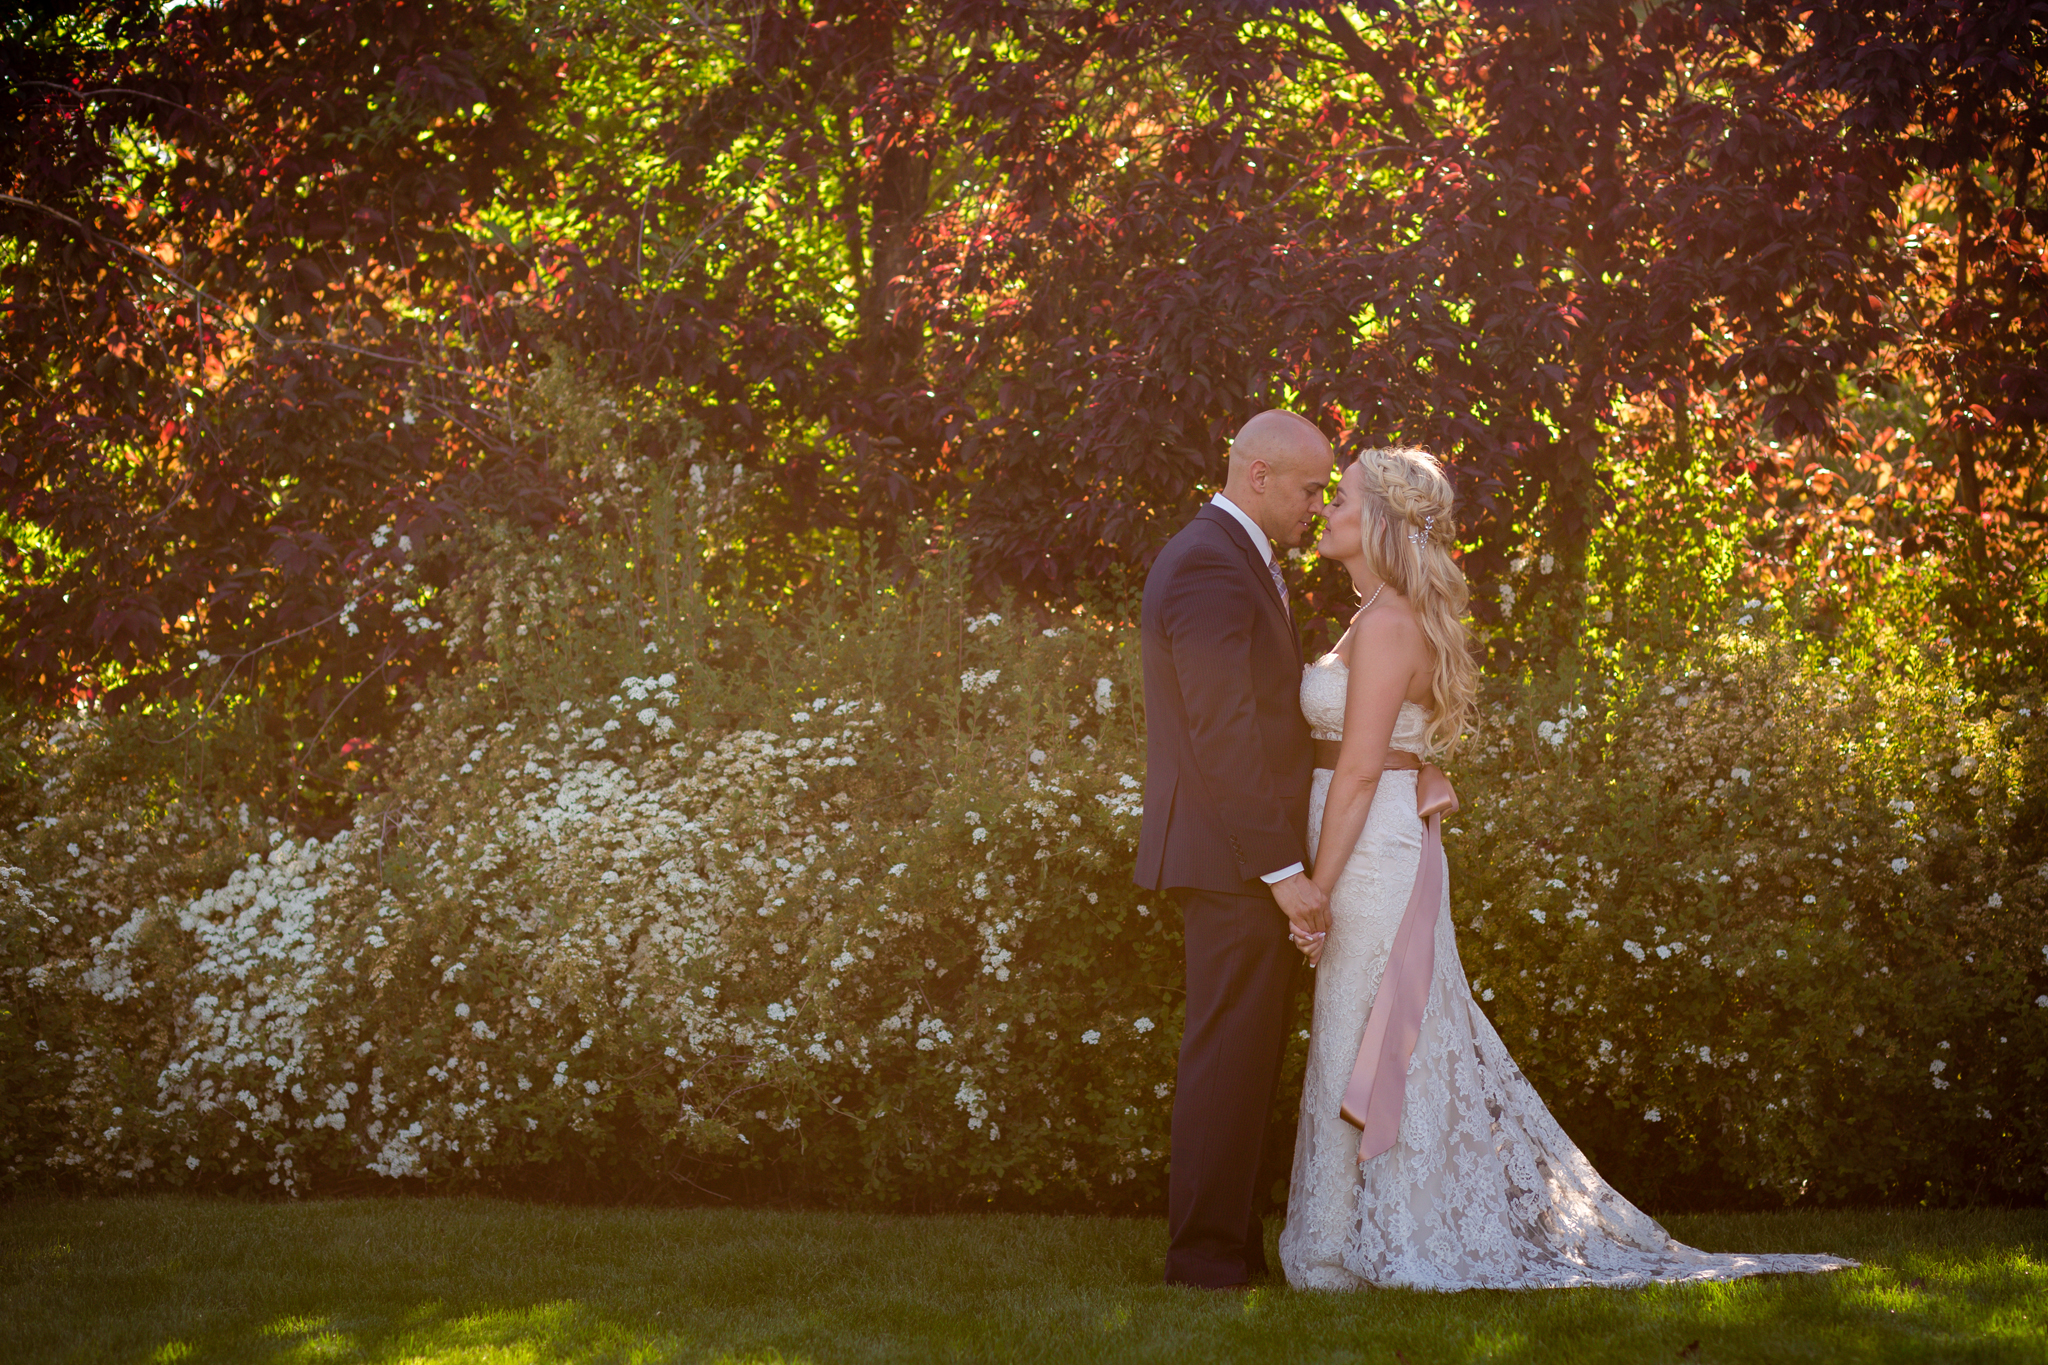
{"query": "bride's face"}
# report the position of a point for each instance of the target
(1343, 537)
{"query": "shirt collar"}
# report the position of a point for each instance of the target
(1259, 537)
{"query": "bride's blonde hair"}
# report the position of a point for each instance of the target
(1406, 524)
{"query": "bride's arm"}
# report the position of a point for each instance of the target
(1383, 649)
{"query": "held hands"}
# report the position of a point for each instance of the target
(1307, 908)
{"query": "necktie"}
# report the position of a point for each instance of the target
(1280, 586)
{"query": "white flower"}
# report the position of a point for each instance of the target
(971, 681)
(462, 1009)
(1994, 900)
(899, 869)
(1899, 864)
(1486, 994)
(1936, 1067)
(1545, 564)
(1037, 757)
(1654, 1114)
(980, 835)
(1142, 1024)
(1104, 696)
(1633, 949)
(1091, 1037)
(975, 623)
(1537, 915)
(2041, 1001)
(1664, 950)
(1740, 775)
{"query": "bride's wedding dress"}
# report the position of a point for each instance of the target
(1482, 1189)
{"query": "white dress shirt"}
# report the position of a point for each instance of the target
(1265, 548)
(1251, 528)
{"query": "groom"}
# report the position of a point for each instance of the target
(1228, 761)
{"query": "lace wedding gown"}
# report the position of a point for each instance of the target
(1482, 1190)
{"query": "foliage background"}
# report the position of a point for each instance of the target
(376, 375)
(836, 906)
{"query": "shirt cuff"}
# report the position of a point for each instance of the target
(1283, 874)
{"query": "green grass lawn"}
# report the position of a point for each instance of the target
(435, 1281)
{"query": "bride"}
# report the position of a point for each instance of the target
(1460, 1179)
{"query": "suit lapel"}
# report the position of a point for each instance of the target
(1257, 564)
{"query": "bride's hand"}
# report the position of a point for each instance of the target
(1309, 946)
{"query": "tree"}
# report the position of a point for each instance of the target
(1943, 456)
(250, 317)
(1016, 270)
(1471, 230)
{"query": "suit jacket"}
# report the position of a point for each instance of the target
(1228, 757)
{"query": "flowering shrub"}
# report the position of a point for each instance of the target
(1762, 919)
(837, 906)
(874, 941)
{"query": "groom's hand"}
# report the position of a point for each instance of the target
(1304, 904)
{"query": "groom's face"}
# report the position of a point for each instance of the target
(1294, 498)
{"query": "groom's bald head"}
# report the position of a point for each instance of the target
(1280, 463)
(1278, 437)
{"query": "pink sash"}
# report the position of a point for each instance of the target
(1379, 1080)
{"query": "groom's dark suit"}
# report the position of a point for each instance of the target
(1228, 762)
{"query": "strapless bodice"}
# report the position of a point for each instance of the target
(1323, 685)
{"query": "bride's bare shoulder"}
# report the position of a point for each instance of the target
(1385, 624)
(1382, 626)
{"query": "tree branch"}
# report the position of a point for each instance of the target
(198, 295)
(1400, 100)
(83, 95)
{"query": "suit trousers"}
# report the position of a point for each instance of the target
(1241, 973)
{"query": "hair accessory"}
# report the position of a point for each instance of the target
(1422, 537)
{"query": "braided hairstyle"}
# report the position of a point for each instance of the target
(1406, 525)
